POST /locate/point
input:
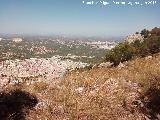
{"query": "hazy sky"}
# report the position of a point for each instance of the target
(74, 17)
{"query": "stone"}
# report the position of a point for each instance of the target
(105, 65)
(132, 38)
(148, 57)
(80, 89)
(121, 65)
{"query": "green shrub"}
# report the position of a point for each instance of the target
(125, 51)
(141, 49)
(145, 33)
(120, 53)
(153, 44)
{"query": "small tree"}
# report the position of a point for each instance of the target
(120, 53)
(145, 33)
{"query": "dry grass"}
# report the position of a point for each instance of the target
(96, 94)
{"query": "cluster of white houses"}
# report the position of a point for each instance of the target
(48, 68)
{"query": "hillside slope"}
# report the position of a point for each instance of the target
(129, 91)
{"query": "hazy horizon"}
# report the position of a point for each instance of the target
(73, 18)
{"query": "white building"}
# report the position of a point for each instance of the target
(17, 40)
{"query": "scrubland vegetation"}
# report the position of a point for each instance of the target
(126, 51)
(122, 92)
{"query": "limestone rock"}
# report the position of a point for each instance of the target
(133, 38)
(105, 65)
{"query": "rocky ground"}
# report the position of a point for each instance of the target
(102, 93)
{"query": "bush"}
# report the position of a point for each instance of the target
(145, 33)
(125, 51)
(141, 49)
(151, 98)
(120, 53)
(153, 44)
